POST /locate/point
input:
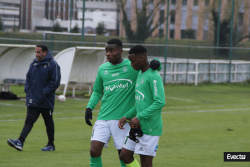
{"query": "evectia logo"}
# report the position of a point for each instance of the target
(116, 87)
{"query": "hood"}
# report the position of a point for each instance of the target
(46, 58)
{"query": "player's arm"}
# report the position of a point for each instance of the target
(157, 90)
(94, 99)
(97, 92)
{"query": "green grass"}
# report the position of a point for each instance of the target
(200, 124)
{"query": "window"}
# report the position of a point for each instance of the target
(161, 33)
(240, 19)
(205, 35)
(195, 2)
(183, 34)
(171, 33)
(161, 16)
(173, 2)
(184, 2)
(172, 17)
(206, 2)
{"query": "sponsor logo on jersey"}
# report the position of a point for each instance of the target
(30, 101)
(115, 75)
(139, 96)
(106, 72)
(118, 86)
(155, 88)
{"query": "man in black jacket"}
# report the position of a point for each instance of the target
(42, 80)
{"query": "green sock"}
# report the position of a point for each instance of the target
(96, 162)
(133, 164)
(122, 163)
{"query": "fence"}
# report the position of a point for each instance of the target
(188, 63)
(197, 70)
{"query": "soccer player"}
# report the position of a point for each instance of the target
(115, 83)
(150, 98)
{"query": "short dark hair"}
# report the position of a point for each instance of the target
(118, 42)
(137, 49)
(44, 47)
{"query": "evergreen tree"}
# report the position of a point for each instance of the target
(101, 29)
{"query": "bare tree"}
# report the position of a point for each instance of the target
(145, 10)
(225, 24)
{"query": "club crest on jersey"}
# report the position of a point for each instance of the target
(45, 66)
(142, 81)
(34, 64)
(125, 69)
(106, 72)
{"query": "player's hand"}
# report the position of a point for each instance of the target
(122, 122)
(88, 116)
(134, 123)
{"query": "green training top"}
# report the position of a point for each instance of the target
(116, 83)
(150, 98)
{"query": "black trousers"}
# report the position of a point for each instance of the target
(32, 115)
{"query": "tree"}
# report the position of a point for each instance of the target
(145, 11)
(224, 34)
(1, 25)
(75, 29)
(225, 25)
(56, 27)
(101, 28)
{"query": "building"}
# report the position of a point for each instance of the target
(41, 15)
(10, 14)
(192, 15)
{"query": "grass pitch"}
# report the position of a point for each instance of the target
(200, 124)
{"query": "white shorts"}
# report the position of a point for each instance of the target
(104, 129)
(147, 145)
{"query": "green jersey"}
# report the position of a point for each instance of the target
(150, 98)
(115, 84)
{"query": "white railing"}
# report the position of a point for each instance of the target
(197, 70)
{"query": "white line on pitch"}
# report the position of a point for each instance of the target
(6, 115)
(11, 104)
(216, 106)
(178, 99)
(41, 118)
(80, 99)
(208, 110)
(184, 107)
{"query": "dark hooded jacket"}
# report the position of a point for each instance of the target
(42, 80)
